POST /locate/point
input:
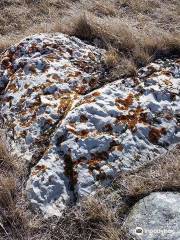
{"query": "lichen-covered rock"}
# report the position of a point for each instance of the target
(77, 132)
(156, 216)
(43, 75)
(121, 126)
(40, 79)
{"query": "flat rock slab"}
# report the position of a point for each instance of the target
(156, 216)
(77, 130)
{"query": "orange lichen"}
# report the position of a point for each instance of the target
(81, 89)
(96, 158)
(96, 94)
(39, 169)
(23, 113)
(88, 99)
(93, 164)
(13, 87)
(132, 118)
(64, 104)
(71, 128)
(83, 133)
(124, 103)
(155, 134)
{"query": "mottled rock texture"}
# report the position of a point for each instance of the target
(156, 216)
(76, 129)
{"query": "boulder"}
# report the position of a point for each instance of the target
(76, 129)
(156, 216)
(40, 78)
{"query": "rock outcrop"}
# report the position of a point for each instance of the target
(156, 216)
(76, 129)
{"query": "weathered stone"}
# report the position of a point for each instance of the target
(76, 132)
(156, 216)
(39, 79)
(44, 76)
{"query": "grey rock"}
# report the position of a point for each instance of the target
(155, 217)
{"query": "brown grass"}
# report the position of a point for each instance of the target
(86, 221)
(15, 216)
(5, 158)
(139, 30)
(162, 175)
(12, 220)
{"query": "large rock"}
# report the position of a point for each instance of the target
(43, 75)
(77, 132)
(41, 78)
(156, 216)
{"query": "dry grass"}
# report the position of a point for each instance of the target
(121, 36)
(111, 232)
(12, 219)
(162, 175)
(16, 220)
(86, 221)
(139, 30)
(5, 158)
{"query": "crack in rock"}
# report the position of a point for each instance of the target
(76, 133)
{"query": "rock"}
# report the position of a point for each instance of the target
(76, 131)
(40, 78)
(120, 126)
(156, 216)
(44, 75)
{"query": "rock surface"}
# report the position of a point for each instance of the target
(44, 74)
(156, 216)
(74, 127)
